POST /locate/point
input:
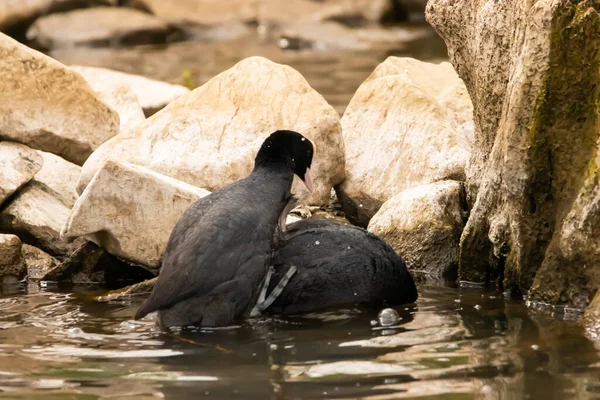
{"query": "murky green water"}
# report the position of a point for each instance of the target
(454, 343)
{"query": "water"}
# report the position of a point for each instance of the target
(467, 343)
(57, 343)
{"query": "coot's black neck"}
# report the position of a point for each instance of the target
(278, 177)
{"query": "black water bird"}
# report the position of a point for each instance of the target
(324, 264)
(219, 251)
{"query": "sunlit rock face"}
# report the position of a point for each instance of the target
(209, 138)
(423, 224)
(47, 106)
(409, 123)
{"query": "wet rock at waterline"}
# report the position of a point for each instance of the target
(123, 200)
(98, 26)
(18, 165)
(37, 216)
(81, 266)
(209, 138)
(409, 123)
(127, 292)
(12, 267)
(591, 319)
(152, 95)
(424, 224)
(533, 175)
(38, 262)
(49, 107)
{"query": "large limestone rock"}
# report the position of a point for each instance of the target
(209, 138)
(130, 211)
(408, 124)
(12, 267)
(423, 224)
(96, 27)
(18, 164)
(48, 106)
(37, 217)
(152, 95)
(530, 67)
(59, 178)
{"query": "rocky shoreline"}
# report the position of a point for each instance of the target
(98, 165)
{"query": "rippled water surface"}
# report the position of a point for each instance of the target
(453, 344)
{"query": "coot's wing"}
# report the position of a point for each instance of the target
(207, 247)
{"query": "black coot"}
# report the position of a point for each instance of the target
(336, 264)
(218, 252)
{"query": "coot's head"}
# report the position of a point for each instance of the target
(288, 149)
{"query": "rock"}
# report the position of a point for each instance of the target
(12, 267)
(591, 319)
(79, 267)
(16, 12)
(408, 124)
(125, 102)
(99, 26)
(124, 200)
(201, 12)
(209, 138)
(210, 12)
(37, 217)
(126, 292)
(320, 36)
(533, 176)
(152, 95)
(353, 12)
(59, 178)
(18, 164)
(45, 105)
(423, 224)
(38, 262)
(570, 272)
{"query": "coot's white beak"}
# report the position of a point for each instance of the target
(308, 180)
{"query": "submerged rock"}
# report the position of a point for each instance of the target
(18, 165)
(98, 26)
(12, 267)
(152, 95)
(128, 291)
(38, 262)
(49, 107)
(130, 211)
(409, 123)
(209, 138)
(423, 224)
